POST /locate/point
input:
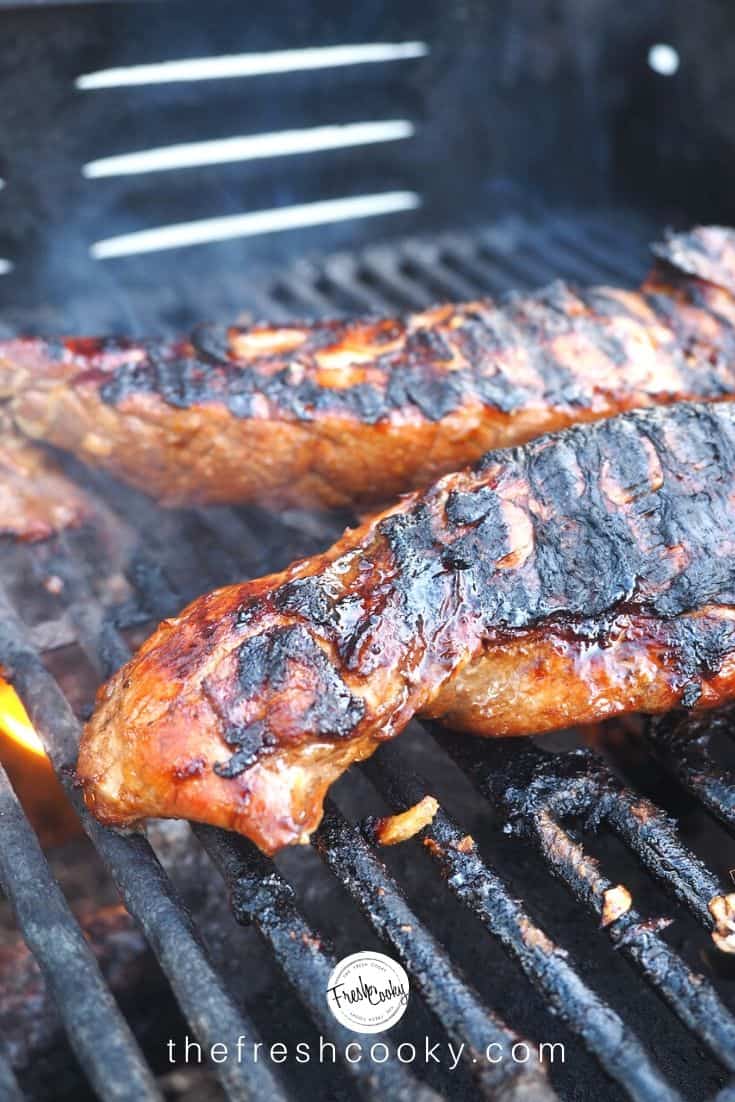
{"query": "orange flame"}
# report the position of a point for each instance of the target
(14, 720)
(31, 773)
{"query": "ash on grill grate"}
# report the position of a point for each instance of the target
(698, 751)
(504, 935)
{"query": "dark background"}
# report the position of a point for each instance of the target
(518, 103)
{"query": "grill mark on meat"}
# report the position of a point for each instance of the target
(286, 660)
(588, 556)
(585, 574)
(418, 375)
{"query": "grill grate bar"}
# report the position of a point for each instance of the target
(618, 235)
(689, 994)
(299, 284)
(94, 630)
(422, 271)
(620, 262)
(536, 791)
(637, 822)
(380, 266)
(570, 260)
(263, 305)
(648, 832)
(99, 1034)
(147, 893)
(343, 274)
(683, 748)
(520, 269)
(453, 1001)
(485, 893)
(425, 259)
(260, 896)
(469, 261)
(580, 783)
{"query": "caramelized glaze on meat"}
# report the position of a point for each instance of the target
(353, 412)
(586, 574)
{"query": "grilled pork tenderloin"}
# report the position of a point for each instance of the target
(354, 412)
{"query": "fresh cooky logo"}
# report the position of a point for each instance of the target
(368, 992)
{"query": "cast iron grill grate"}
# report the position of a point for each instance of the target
(537, 797)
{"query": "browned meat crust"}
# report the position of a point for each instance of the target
(354, 412)
(587, 574)
(36, 498)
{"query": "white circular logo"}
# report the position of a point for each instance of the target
(368, 992)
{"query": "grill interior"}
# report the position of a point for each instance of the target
(504, 937)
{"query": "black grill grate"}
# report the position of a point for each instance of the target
(685, 751)
(165, 559)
